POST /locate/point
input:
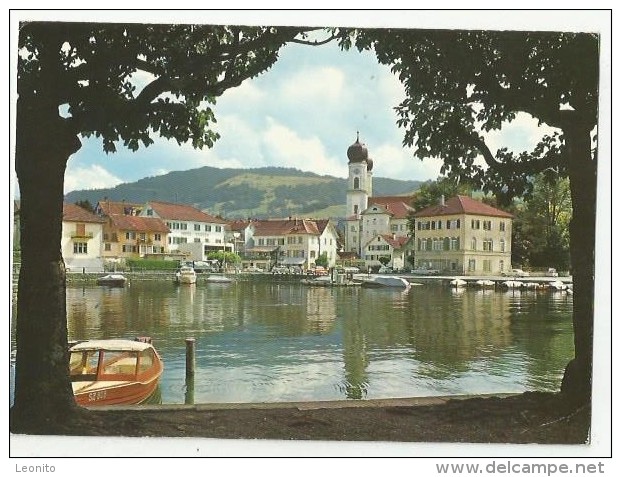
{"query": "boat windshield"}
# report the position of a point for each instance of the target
(112, 365)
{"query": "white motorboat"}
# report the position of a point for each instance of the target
(218, 279)
(485, 283)
(383, 281)
(458, 283)
(112, 280)
(512, 284)
(186, 275)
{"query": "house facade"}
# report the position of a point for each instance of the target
(290, 242)
(463, 235)
(368, 217)
(393, 249)
(128, 235)
(192, 231)
(81, 239)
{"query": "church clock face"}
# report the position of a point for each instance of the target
(356, 171)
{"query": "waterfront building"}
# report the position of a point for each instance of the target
(369, 218)
(81, 239)
(464, 236)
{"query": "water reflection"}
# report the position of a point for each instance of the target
(286, 342)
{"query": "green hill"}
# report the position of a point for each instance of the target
(241, 193)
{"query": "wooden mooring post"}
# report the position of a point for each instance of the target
(190, 357)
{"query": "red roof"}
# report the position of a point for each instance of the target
(139, 224)
(75, 213)
(285, 227)
(397, 241)
(170, 211)
(462, 205)
(398, 206)
(109, 207)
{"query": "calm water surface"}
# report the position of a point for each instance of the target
(260, 341)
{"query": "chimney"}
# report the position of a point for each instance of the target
(442, 200)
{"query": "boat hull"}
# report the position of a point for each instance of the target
(115, 393)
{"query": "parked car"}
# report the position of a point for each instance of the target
(425, 271)
(516, 272)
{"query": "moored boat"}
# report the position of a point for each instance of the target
(112, 280)
(186, 275)
(116, 371)
(218, 279)
(458, 283)
(383, 281)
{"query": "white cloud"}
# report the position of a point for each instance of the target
(398, 162)
(92, 177)
(286, 148)
(314, 85)
(521, 134)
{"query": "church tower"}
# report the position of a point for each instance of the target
(359, 189)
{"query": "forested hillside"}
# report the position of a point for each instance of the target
(239, 193)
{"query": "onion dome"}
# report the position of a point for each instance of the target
(369, 164)
(357, 152)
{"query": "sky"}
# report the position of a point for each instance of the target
(303, 113)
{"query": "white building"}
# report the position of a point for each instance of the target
(292, 241)
(81, 239)
(191, 230)
(370, 217)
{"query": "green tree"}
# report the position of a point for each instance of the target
(432, 192)
(79, 79)
(224, 257)
(85, 204)
(546, 217)
(322, 260)
(461, 84)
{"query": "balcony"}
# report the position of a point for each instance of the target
(81, 235)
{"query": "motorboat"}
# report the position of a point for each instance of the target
(458, 283)
(512, 284)
(112, 280)
(557, 285)
(485, 283)
(115, 371)
(218, 279)
(383, 281)
(186, 275)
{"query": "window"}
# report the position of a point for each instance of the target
(197, 227)
(448, 224)
(473, 243)
(454, 243)
(107, 247)
(130, 235)
(356, 183)
(502, 245)
(150, 212)
(197, 240)
(143, 236)
(218, 228)
(487, 225)
(488, 245)
(487, 265)
(502, 226)
(207, 228)
(439, 225)
(472, 265)
(353, 228)
(157, 237)
(80, 247)
(355, 209)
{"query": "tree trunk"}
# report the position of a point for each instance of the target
(43, 394)
(583, 182)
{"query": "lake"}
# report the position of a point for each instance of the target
(269, 341)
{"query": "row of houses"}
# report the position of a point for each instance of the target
(117, 231)
(460, 235)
